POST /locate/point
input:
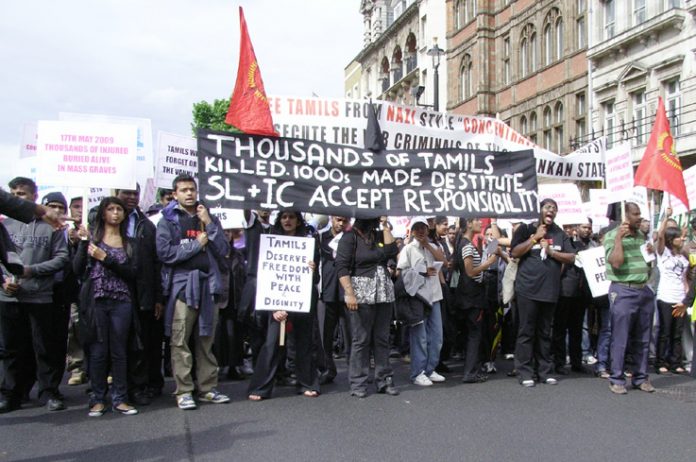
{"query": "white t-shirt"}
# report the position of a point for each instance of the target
(673, 269)
(419, 259)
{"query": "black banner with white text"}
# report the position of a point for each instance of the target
(250, 172)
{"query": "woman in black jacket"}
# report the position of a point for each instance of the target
(361, 264)
(107, 268)
(288, 223)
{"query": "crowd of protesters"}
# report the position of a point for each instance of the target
(133, 296)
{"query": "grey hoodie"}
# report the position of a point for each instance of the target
(41, 249)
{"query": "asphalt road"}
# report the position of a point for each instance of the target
(577, 420)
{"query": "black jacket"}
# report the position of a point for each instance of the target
(356, 258)
(90, 331)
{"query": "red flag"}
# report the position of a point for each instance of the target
(249, 110)
(660, 167)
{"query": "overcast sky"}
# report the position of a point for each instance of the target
(155, 58)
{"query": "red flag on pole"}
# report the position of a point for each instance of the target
(660, 167)
(249, 110)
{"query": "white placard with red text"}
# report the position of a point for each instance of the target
(81, 154)
(594, 264)
(619, 172)
(567, 196)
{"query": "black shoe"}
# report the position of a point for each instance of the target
(55, 404)
(442, 368)
(153, 392)
(479, 378)
(8, 405)
(141, 398)
(326, 378)
(234, 374)
(561, 371)
(286, 382)
(512, 373)
(579, 369)
(359, 393)
(388, 388)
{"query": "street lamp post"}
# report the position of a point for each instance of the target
(435, 52)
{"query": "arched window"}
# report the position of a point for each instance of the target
(552, 47)
(467, 85)
(523, 126)
(558, 127)
(459, 14)
(547, 52)
(547, 128)
(524, 56)
(533, 53)
(559, 38)
(533, 127)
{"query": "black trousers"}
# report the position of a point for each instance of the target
(669, 344)
(568, 318)
(25, 327)
(333, 312)
(229, 340)
(145, 366)
(533, 348)
(473, 320)
(270, 356)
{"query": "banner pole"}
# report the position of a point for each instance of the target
(85, 207)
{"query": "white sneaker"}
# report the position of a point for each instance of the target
(435, 377)
(590, 360)
(509, 356)
(422, 380)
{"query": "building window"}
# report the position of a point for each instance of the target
(558, 127)
(469, 10)
(673, 105)
(581, 30)
(639, 117)
(507, 78)
(609, 122)
(528, 50)
(524, 56)
(458, 14)
(533, 127)
(524, 129)
(533, 53)
(674, 3)
(609, 19)
(580, 129)
(548, 45)
(547, 127)
(466, 90)
(638, 11)
(559, 38)
(580, 110)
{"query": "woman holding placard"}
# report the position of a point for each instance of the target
(288, 223)
(361, 265)
(671, 290)
(108, 271)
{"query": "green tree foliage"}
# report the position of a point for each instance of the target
(212, 116)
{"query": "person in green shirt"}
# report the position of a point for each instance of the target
(631, 300)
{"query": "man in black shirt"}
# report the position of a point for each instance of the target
(542, 248)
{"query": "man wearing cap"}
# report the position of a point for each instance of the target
(632, 303)
(28, 316)
(417, 263)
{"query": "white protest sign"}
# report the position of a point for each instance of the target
(96, 195)
(29, 135)
(594, 264)
(175, 154)
(639, 195)
(229, 218)
(81, 154)
(145, 165)
(678, 208)
(597, 207)
(567, 196)
(619, 172)
(400, 226)
(284, 280)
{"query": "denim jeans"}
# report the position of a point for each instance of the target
(604, 336)
(114, 321)
(426, 342)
